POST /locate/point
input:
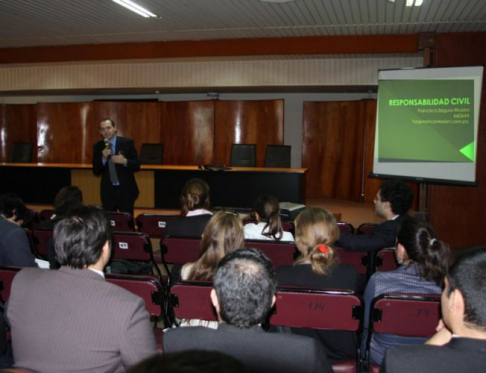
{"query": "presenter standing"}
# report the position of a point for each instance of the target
(115, 159)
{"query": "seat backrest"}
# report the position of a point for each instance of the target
(132, 246)
(386, 260)
(152, 154)
(46, 214)
(7, 275)
(40, 236)
(180, 250)
(345, 227)
(146, 287)
(366, 228)
(153, 224)
(121, 221)
(357, 259)
(317, 309)
(243, 155)
(191, 300)
(408, 315)
(281, 253)
(21, 152)
(277, 156)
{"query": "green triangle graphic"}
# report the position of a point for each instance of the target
(468, 151)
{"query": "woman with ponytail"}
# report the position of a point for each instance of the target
(423, 261)
(269, 224)
(316, 231)
(194, 210)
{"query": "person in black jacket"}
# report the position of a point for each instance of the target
(118, 187)
(392, 203)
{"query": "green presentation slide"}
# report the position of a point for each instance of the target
(426, 121)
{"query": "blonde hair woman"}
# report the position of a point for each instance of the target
(316, 231)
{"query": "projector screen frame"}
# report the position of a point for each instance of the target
(474, 73)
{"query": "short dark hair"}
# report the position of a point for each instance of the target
(109, 120)
(467, 274)
(245, 283)
(80, 237)
(11, 206)
(398, 194)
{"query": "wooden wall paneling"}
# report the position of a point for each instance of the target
(64, 132)
(187, 130)
(248, 122)
(17, 124)
(332, 149)
(137, 120)
(457, 213)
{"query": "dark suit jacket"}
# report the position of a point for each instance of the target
(125, 174)
(258, 350)
(187, 226)
(14, 246)
(72, 320)
(383, 236)
(460, 355)
(338, 344)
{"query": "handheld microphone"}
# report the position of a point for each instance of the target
(107, 146)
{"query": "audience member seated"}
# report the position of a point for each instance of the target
(195, 212)
(72, 320)
(243, 295)
(392, 203)
(223, 234)
(14, 244)
(266, 211)
(423, 263)
(459, 346)
(68, 198)
(192, 361)
(316, 231)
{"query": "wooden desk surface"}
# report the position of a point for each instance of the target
(156, 167)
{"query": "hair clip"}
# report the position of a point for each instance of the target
(323, 249)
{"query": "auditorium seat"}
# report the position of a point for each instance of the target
(40, 236)
(46, 214)
(345, 227)
(153, 224)
(179, 250)
(191, 300)
(281, 253)
(357, 259)
(407, 315)
(150, 290)
(7, 275)
(134, 246)
(326, 309)
(121, 221)
(386, 260)
(366, 228)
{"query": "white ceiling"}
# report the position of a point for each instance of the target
(25, 23)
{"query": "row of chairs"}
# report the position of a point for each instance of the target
(414, 315)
